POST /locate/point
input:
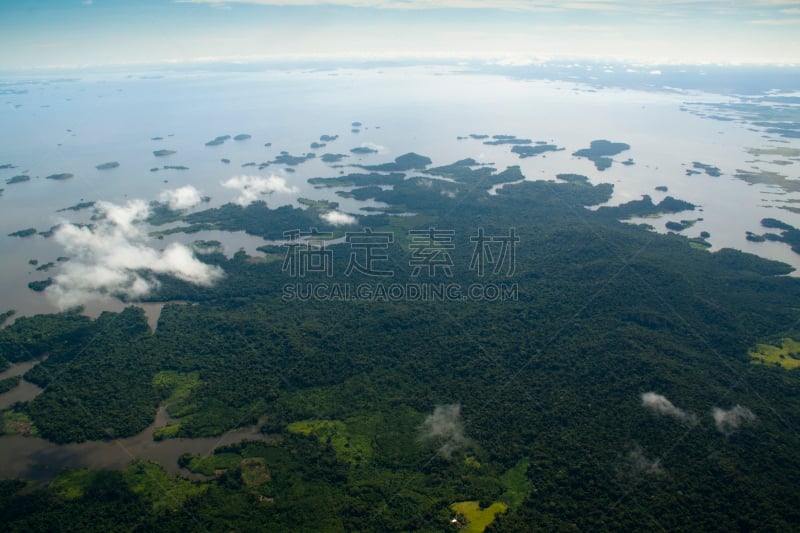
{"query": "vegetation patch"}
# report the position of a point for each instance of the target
(476, 519)
(766, 177)
(784, 151)
(516, 483)
(8, 383)
(16, 423)
(170, 431)
(177, 388)
(350, 446)
(254, 471)
(787, 355)
(210, 465)
(73, 484)
(154, 485)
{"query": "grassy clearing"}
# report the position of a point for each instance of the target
(787, 355)
(352, 441)
(210, 465)
(164, 492)
(516, 483)
(13, 423)
(179, 383)
(477, 519)
(179, 386)
(254, 471)
(73, 484)
(170, 431)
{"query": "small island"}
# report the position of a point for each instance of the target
(60, 177)
(107, 166)
(332, 158)
(23, 233)
(40, 286)
(682, 225)
(531, 151)
(507, 139)
(218, 140)
(600, 152)
(226, 161)
(328, 138)
(285, 158)
(788, 234)
(409, 161)
(77, 207)
(242, 137)
(18, 179)
(362, 150)
(711, 170)
(163, 153)
(316, 145)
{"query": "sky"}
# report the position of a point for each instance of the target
(74, 34)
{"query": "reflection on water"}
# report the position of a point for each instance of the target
(35, 458)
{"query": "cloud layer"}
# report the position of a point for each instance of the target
(113, 257)
(660, 405)
(184, 197)
(445, 427)
(251, 188)
(728, 421)
(337, 218)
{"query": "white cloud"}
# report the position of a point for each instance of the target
(337, 218)
(112, 257)
(728, 421)
(639, 464)
(446, 428)
(184, 197)
(252, 187)
(660, 405)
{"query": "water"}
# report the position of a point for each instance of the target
(25, 391)
(35, 458)
(98, 119)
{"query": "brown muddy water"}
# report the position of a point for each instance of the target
(38, 459)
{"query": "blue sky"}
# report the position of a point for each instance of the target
(90, 33)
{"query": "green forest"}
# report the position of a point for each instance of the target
(527, 413)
